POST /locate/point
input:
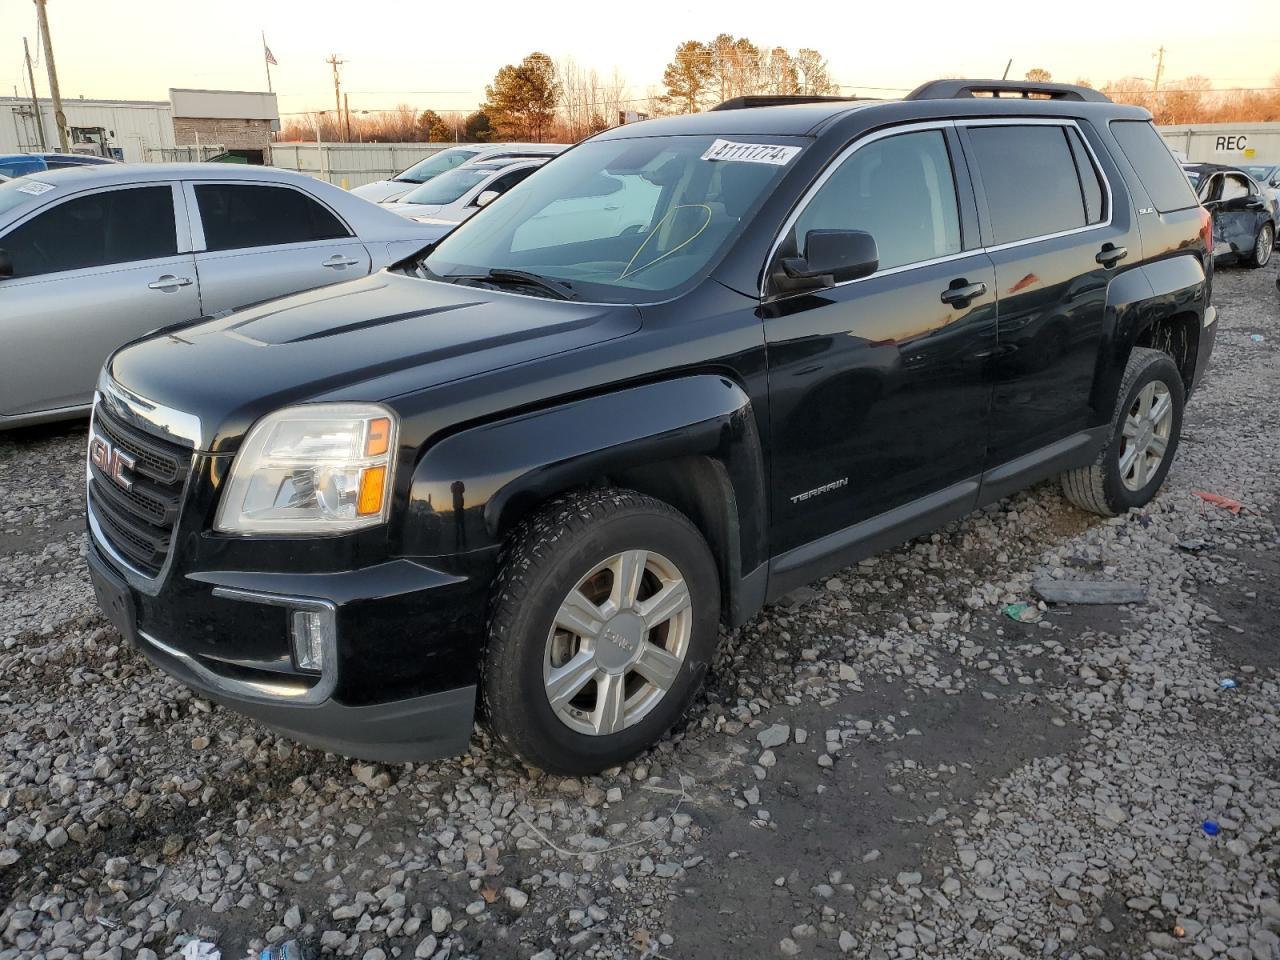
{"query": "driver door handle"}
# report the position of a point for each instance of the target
(169, 282)
(338, 261)
(961, 292)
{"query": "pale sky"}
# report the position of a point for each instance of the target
(441, 55)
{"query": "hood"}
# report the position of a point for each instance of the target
(383, 191)
(313, 346)
(411, 210)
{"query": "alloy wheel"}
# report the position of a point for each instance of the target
(1266, 241)
(1144, 438)
(618, 642)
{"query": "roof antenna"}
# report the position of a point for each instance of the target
(1006, 69)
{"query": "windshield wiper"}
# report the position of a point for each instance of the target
(500, 275)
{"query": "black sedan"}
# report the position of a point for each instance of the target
(1244, 222)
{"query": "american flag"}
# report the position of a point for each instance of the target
(266, 52)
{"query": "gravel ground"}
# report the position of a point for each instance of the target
(883, 766)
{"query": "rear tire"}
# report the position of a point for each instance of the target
(604, 618)
(1263, 244)
(1143, 441)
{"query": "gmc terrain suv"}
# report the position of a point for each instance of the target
(688, 365)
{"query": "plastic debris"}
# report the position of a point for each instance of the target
(289, 950)
(1226, 503)
(1256, 337)
(1023, 612)
(1211, 828)
(201, 950)
(1088, 591)
(1226, 683)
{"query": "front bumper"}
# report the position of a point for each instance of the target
(226, 635)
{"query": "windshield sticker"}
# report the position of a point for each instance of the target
(35, 188)
(777, 156)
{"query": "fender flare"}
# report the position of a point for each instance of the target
(470, 488)
(1136, 300)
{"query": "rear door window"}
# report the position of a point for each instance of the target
(240, 215)
(1160, 174)
(115, 226)
(1030, 179)
(1090, 179)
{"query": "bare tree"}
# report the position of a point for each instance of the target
(813, 78)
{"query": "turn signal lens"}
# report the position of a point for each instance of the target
(372, 483)
(379, 437)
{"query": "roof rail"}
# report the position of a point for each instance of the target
(780, 100)
(954, 89)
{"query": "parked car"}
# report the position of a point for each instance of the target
(540, 471)
(21, 164)
(1267, 176)
(447, 200)
(388, 191)
(1244, 217)
(93, 257)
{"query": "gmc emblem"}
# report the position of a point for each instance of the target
(111, 461)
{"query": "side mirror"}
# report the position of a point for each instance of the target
(831, 257)
(6, 264)
(487, 197)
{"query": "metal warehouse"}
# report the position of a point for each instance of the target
(140, 130)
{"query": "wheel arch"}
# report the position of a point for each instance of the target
(1161, 304)
(691, 442)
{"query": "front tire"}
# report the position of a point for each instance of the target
(1143, 441)
(1263, 244)
(603, 621)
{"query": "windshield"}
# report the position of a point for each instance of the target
(433, 166)
(447, 187)
(619, 220)
(1259, 171)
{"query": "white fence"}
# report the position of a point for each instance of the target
(1229, 143)
(351, 164)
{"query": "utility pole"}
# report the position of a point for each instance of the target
(346, 109)
(334, 62)
(59, 117)
(35, 101)
(1155, 86)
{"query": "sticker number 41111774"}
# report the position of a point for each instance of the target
(769, 153)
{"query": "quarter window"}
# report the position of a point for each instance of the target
(115, 226)
(1030, 179)
(900, 190)
(1160, 174)
(239, 215)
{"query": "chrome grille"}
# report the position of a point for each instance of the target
(138, 522)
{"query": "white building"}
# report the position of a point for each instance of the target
(128, 128)
(141, 130)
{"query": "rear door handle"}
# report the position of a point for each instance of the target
(962, 291)
(1110, 254)
(338, 261)
(169, 282)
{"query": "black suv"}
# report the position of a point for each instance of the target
(689, 365)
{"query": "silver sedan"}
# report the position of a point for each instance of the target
(93, 257)
(447, 200)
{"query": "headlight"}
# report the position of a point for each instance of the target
(319, 468)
